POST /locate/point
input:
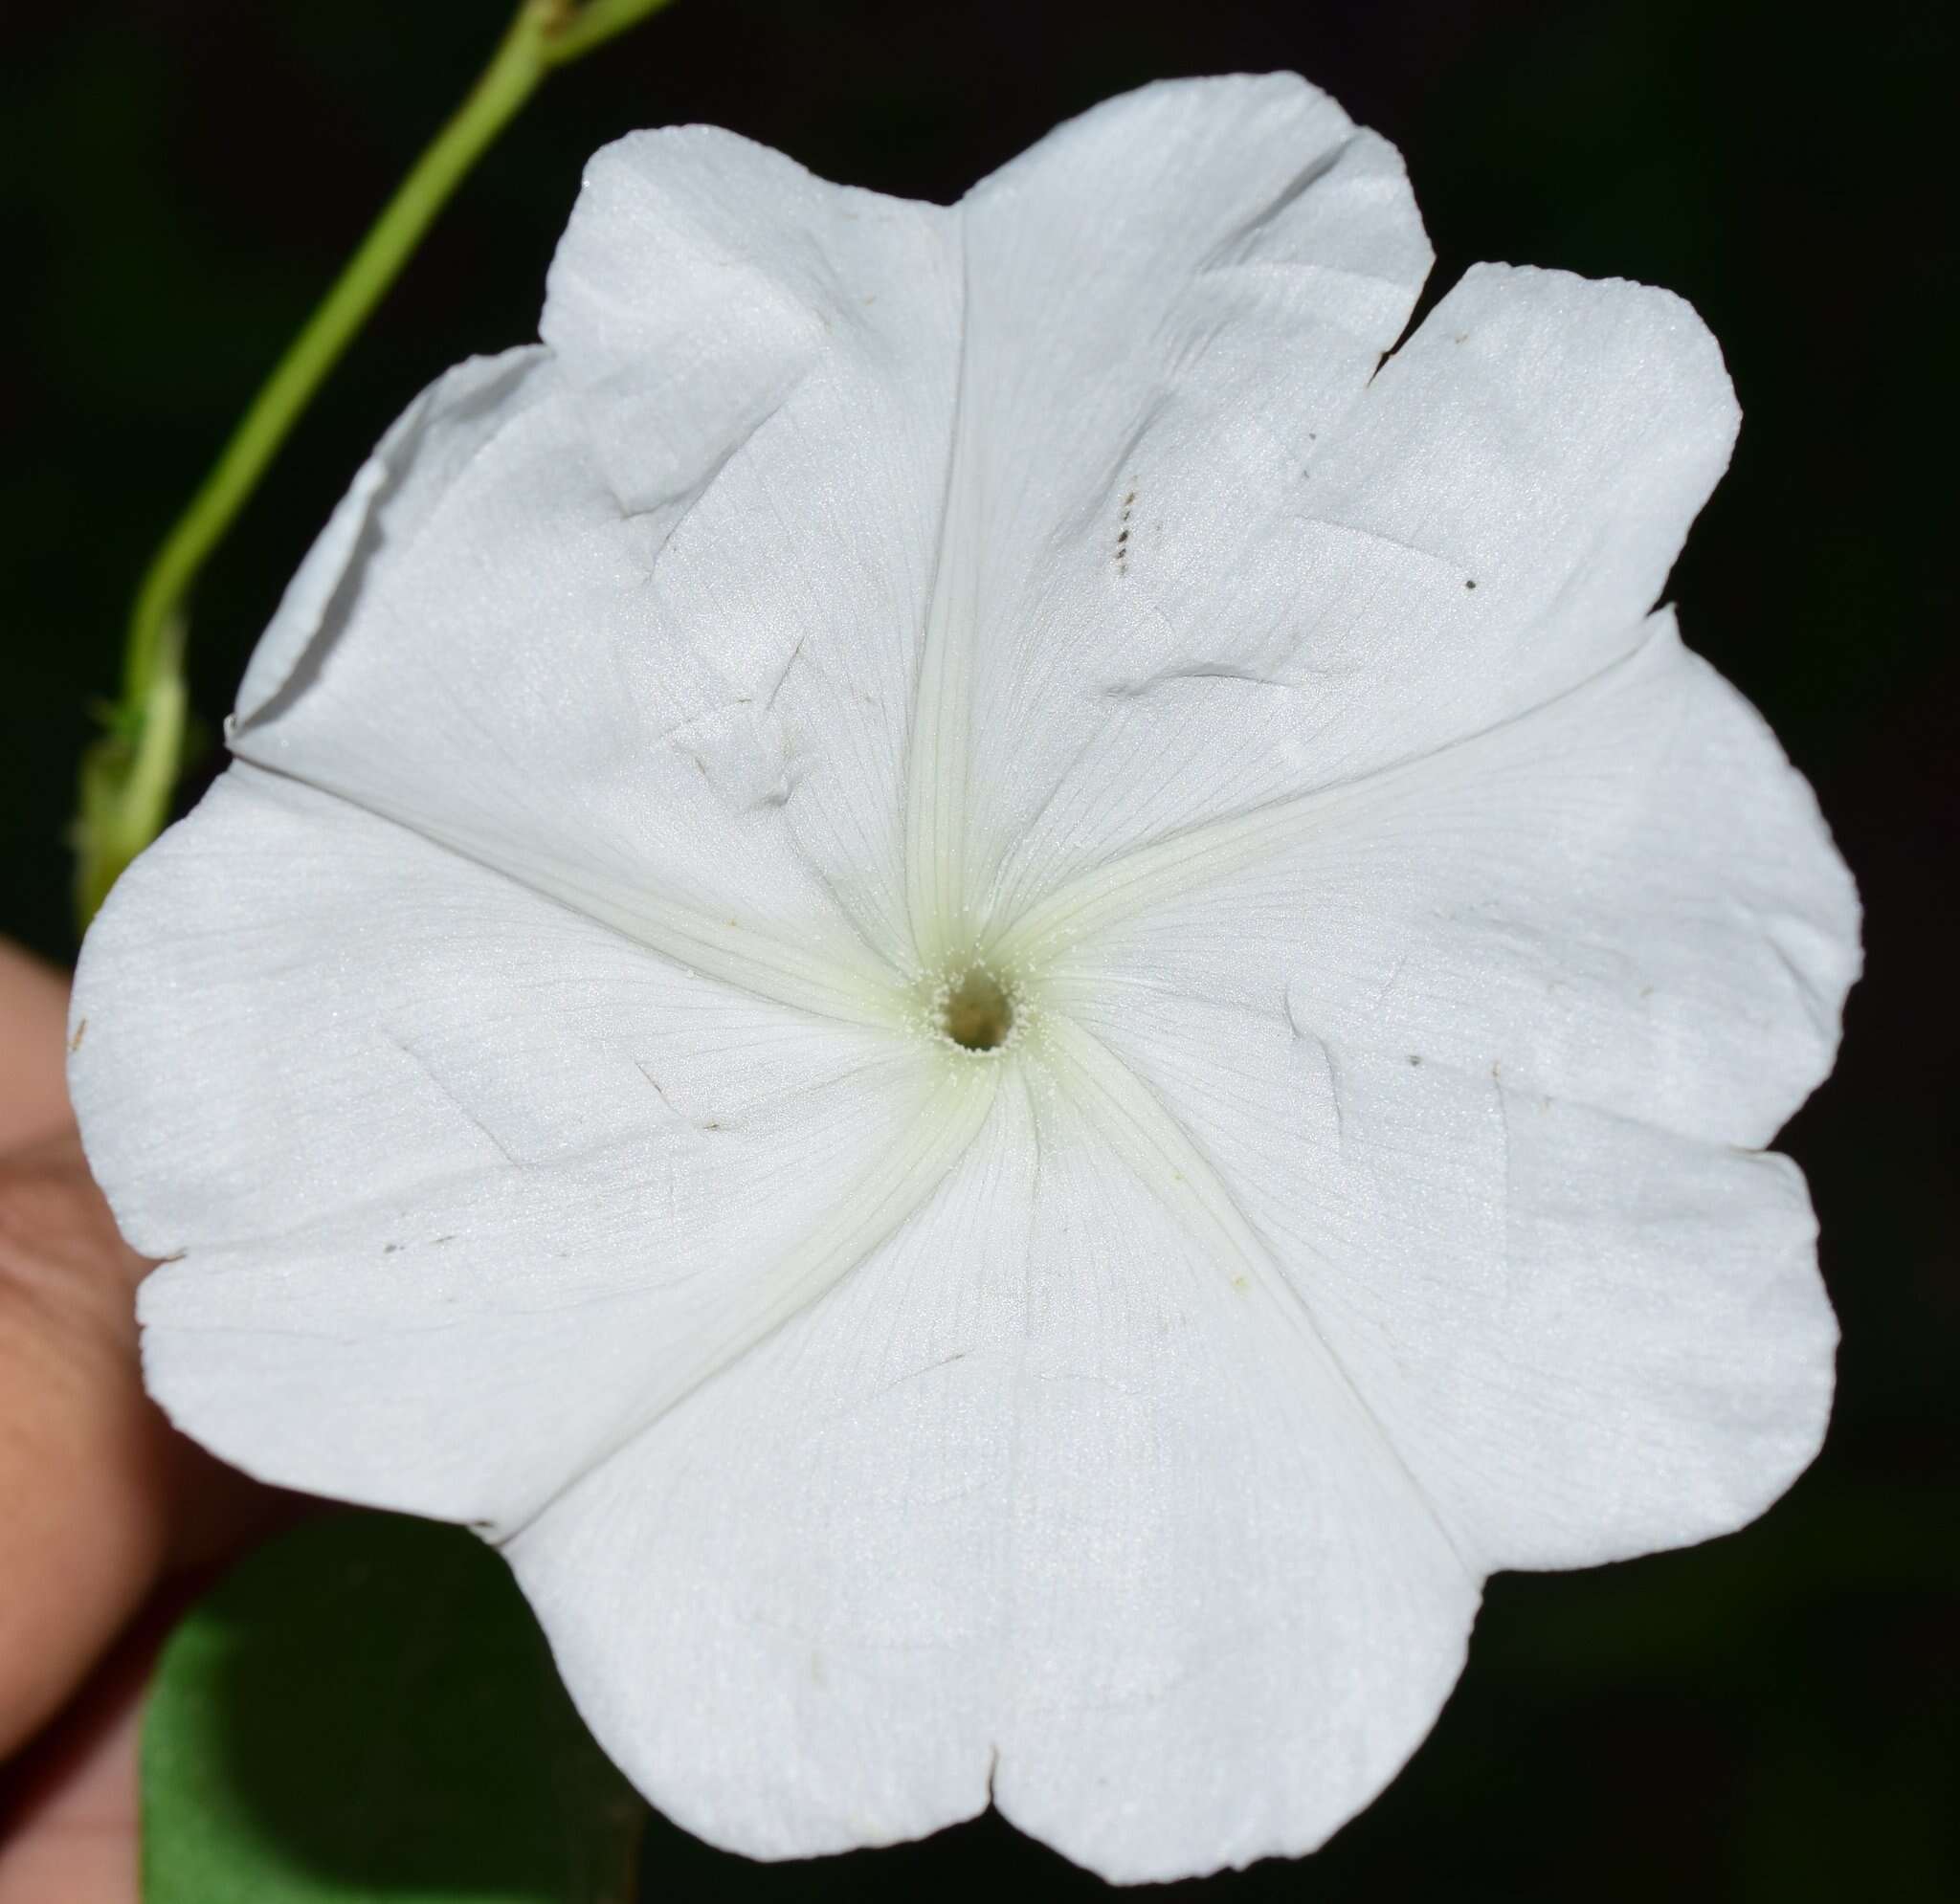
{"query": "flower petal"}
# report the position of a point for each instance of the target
(1167, 301)
(485, 1185)
(391, 496)
(1627, 901)
(702, 517)
(1237, 1610)
(1493, 521)
(1486, 526)
(779, 1607)
(1587, 1338)
(1093, 1513)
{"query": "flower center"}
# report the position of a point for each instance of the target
(976, 1011)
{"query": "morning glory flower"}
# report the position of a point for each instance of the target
(1007, 1002)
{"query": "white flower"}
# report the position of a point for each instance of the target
(1385, 951)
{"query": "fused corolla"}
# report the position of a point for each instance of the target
(1006, 1000)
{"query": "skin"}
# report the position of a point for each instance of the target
(108, 1518)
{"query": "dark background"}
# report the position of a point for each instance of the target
(1769, 1715)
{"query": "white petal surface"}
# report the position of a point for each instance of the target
(1236, 1614)
(780, 1608)
(1430, 1031)
(635, 618)
(1587, 1338)
(1627, 901)
(1487, 525)
(486, 1185)
(392, 494)
(1097, 1513)
(1545, 437)
(1167, 301)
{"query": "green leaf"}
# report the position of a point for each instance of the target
(366, 1710)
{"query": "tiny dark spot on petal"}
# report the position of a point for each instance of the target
(1470, 582)
(1414, 1058)
(80, 1032)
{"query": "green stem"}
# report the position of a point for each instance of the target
(129, 775)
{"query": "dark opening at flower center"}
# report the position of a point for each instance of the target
(977, 1014)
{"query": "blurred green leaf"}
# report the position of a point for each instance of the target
(366, 1710)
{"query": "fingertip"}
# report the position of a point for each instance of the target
(33, 1046)
(86, 1476)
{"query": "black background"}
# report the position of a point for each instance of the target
(1769, 1715)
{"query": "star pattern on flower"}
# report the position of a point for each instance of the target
(1002, 984)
